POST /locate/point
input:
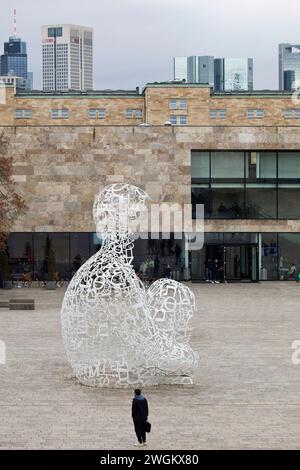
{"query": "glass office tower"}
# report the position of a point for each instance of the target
(14, 60)
(233, 74)
(194, 69)
(67, 57)
(180, 68)
(289, 66)
(200, 69)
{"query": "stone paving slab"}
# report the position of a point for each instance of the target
(246, 392)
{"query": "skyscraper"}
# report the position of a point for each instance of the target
(67, 57)
(221, 74)
(14, 61)
(180, 68)
(233, 74)
(200, 69)
(194, 69)
(289, 66)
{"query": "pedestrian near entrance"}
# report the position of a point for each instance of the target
(140, 413)
(215, 271)
(292, 272)
(208, 270)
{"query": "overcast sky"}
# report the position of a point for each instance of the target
(135, 40)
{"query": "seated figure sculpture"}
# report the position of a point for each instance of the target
(116, 333)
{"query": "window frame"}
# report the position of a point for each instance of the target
(276, 182)
(25, 113)
(60, 113)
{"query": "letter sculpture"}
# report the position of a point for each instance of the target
(116, 333)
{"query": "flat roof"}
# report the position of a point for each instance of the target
(253, 93)
(241, 93)
(77, 93)
(136, 92)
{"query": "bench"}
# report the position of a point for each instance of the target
(21, 304)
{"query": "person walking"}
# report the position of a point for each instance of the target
(139, 414)
(215, 271)
(168, 272)
(208, 270)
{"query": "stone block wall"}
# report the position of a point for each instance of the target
(59, 169)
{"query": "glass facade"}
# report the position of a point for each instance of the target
(31, 253)
(233, 74)
(246, 185)
(248, 257)
(289, 66)
(200, 69)
(240, 256)
(14, 60)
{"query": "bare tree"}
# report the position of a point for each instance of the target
(11, 203)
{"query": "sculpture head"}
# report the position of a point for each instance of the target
(116, 207)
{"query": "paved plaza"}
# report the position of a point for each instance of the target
(246, 393)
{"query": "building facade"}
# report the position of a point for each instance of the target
(194, 69)
(180, 68)
(236, 153)
(67, 57)
(200, 69)
(18, 82)
(289, 66)
(14, 60)
(233, 74)
(221, 74)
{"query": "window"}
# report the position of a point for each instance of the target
(134, 113)
(23, 114)
(173, 120)
(227, 165)
(60, 113)
(255, 113)
(250, 184)
(289, 165)
(172, 104)
(260, 201)
(182, 120)
(269, 255)
(288, 114)
(289, 201)
(200, 195)
(260, 113)
(177, 103)
(227, 200)
(288, 253)
(54, 32)
(200, 164)
(218, 113)
(97, 113)
(291, 113)
(266, 166)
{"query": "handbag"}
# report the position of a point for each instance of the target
(147, 426)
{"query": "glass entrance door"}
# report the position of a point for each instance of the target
(241, 263)
(232, 263)
(236, 262)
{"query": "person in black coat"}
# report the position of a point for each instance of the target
(139, 414)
